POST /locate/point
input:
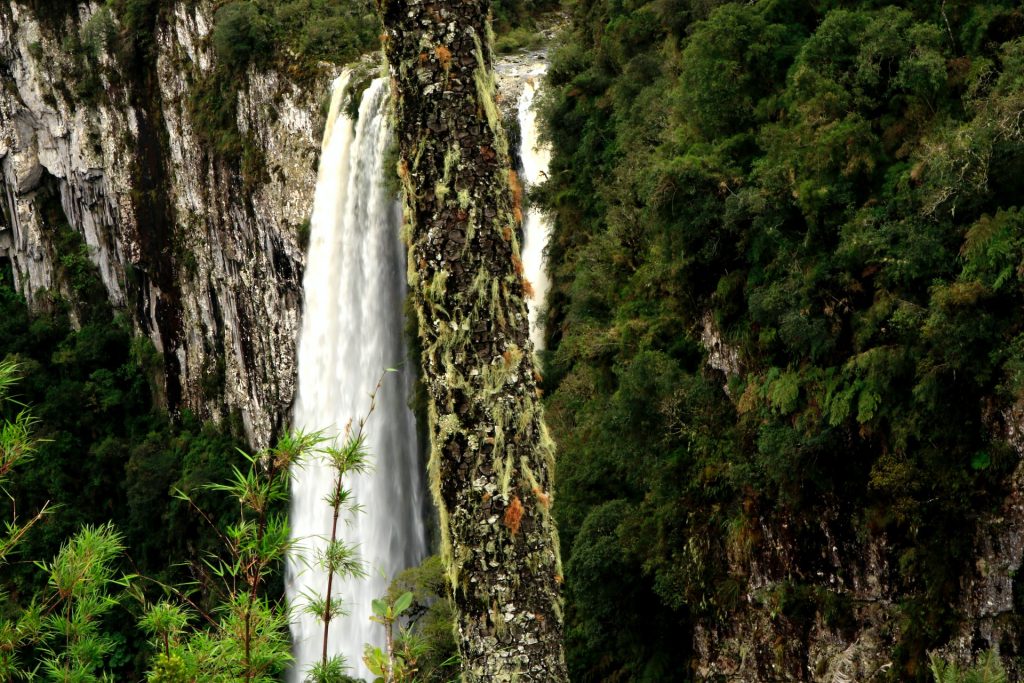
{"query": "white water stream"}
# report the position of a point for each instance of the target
(536, 227)
(352, 331)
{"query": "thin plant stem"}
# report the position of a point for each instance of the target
(336, 505)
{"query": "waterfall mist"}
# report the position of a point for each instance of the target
(536, 226)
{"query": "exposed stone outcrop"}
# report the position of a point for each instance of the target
(855, 641)
(771, 636)
(854, 636)
(207, 260)
(992, 620)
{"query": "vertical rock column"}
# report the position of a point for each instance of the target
(203, 257)
(491, 459)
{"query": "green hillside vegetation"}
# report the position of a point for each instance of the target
(830, 189)
(106, 453)
(835, 187)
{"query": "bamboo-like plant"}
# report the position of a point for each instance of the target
(82, 587)
(64, 621)
(338, 559)
(246, 637)
(987, 669)
(17, 446)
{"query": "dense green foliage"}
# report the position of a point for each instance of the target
(328, 31)
(509, 14)
(106, 453)
(430, 630)
(834, 187)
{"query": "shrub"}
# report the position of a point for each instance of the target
(240, 33)
(98, 32)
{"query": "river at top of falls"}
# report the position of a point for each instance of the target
(353, 326)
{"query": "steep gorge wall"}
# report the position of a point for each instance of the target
(764, 639)
(205, 260)
(770, 636)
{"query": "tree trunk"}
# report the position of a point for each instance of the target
(491, 461)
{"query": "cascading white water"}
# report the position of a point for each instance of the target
(536, 227)
(352, 331)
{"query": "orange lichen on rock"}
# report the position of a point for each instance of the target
(514, 515)
(528, 289)
(544, 498)
(517, 195)
(444, 55)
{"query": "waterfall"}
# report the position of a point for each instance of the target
(536, 227)
(352, 330)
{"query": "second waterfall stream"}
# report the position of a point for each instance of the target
(352, 330)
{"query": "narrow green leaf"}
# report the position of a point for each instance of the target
(403, 602)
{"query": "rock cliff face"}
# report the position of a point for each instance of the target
(206, 260)
(768, 638)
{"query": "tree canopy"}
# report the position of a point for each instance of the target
(821, 199)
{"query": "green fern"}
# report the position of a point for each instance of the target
(987, 669)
